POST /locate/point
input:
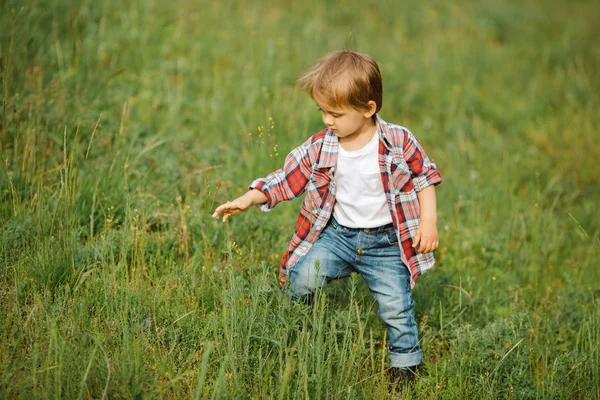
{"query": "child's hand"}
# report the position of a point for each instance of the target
(240, 204)
(230, 208)
(427, 237)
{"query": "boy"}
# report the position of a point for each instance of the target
(370, 203)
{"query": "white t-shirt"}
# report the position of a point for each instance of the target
(360, 200)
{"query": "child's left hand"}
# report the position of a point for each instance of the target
(427, 237)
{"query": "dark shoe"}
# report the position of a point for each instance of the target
(309, 300)
(402, 379)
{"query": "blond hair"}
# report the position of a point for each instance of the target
(344, 78)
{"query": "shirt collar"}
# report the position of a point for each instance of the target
(329, 150)
(384, 132)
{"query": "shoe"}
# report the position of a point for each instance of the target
(402, 378)
(309, 300)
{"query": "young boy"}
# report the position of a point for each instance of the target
(370, 203)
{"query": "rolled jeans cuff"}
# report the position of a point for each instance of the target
(405, 360)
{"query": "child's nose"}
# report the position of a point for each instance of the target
(328, 120)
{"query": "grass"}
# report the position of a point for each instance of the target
(124, 123)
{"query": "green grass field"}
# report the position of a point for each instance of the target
(123, 125)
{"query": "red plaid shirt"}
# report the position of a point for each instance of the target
(405, 170)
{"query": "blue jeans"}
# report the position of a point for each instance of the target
(375, 255)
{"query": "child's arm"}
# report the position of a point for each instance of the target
(239, 205)
(427, 235)
(424, 177)
(286, 183)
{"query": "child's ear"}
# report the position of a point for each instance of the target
(371, 109)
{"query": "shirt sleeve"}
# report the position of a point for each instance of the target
(423, 170)
(288, 182)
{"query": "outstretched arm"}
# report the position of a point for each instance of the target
(286, 183)
(239, 205)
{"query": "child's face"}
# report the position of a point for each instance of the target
(346, 122)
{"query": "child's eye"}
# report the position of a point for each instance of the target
(332, 114)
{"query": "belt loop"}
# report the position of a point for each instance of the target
(334, 224)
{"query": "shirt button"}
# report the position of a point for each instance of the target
(367, 230)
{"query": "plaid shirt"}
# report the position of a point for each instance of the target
(405, 170)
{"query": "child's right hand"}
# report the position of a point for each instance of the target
(240, 204)
(233, 207)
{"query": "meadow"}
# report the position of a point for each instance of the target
(124, 124)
